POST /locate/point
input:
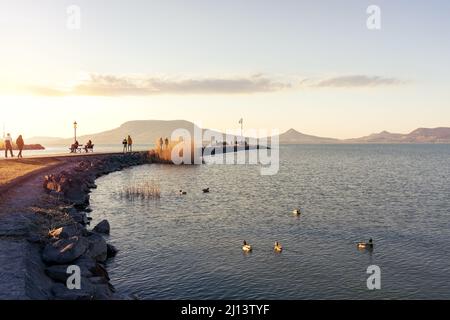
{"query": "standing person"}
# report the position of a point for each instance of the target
(125, 143)
(8, 145)
(161, 143)
(130, 144)
(167, 143)
(20, 144)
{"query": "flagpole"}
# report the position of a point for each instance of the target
(242, 127)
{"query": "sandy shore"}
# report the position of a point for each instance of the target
(25, 207)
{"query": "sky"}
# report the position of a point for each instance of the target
(310, 65)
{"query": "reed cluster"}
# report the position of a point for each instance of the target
(141, 191)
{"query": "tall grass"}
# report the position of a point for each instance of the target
(164, 152)
(141, 191)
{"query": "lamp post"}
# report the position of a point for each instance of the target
(75, 124)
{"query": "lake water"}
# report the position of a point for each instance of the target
(189, 247)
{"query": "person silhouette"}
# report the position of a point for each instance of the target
(125, 143)
(166, 141)
(20, 144)
(8, 145)
(161, 143)
(130, 143)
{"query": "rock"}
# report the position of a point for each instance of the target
(86, 292)
(98, 280)
(103, 291)
(36, 239)
(111, 251)
(102, 227)
(74, 186)
(59, 272)
(55, 233)
(93, 266)
(70, 210)
(80, 217)
(97, 249)
(65, 250)
(66, 232)
(79, 199)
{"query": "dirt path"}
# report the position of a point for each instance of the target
(16, 216)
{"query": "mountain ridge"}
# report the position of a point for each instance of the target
(148, 131)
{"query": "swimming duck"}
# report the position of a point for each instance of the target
(277, 247)
(206, 190)
(365, 245)
(183, 193)
(246, 247)
(297, 212)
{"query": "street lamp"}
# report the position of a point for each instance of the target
(75, 124)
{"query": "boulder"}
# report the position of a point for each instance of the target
(70, 210)
(34, 238)
(102, 227)
(86, 292)
(65, 250)
(80, 217)
(103, 291)
(59, 272)
(97, 249)
(67, 231)
(111, 251)
(97, 269)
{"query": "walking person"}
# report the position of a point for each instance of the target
(125, 143)
(161, 143)
(130, 144)
(8, 146)
(167, 143)
(20, 144)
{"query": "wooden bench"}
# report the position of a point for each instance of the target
(89, 148)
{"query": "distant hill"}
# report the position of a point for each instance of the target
(148, 131)
(141, 131)
(421, 135)
(292, 136)
(46, 141)
(382, 137)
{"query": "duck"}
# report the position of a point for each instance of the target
(297, 212)
(246, 247)
(277, 247)
(206, 190)
(183, 193)
(365, 245)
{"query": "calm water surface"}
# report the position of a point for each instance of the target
(189, 247)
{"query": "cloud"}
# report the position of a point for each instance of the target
(353, 81)
(110, 85)
(44, 91)
(118, 85)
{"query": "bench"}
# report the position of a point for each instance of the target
(89, 148)
(76, 150)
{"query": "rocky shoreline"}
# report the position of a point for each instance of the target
(62, 236)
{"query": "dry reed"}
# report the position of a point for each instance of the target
(142, 191)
